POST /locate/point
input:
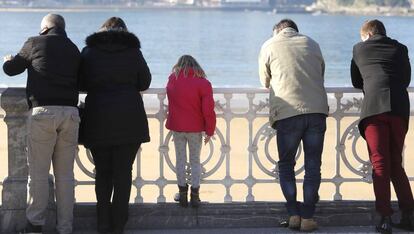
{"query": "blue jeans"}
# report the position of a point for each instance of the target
(310, 128)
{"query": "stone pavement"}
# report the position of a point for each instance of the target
(344, 230)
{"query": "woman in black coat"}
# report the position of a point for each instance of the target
(113, 71)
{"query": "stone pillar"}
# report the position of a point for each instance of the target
(14, 194)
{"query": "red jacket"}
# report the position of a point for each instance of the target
(190, 104)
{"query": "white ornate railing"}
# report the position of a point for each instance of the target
(242, 153)
(251, 105)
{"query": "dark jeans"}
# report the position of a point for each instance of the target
(310, 129)
(385, 136)
(113, 166)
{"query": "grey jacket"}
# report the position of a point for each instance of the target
(292, 66)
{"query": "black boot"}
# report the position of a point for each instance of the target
(406, 222)
(195, 197)
(385, 225)
(183, 195)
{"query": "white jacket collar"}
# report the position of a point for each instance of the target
(287, 32)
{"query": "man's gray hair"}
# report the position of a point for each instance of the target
(52, 21)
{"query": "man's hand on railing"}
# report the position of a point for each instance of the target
(8, 57)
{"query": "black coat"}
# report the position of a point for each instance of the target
(52, 63)
(381, 68)
(113, 71)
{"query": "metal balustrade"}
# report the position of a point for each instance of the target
(249, 104)
(259, 156)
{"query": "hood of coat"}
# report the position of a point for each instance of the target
(113, 40)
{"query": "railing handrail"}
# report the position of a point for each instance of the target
(223, 90)
(329, 89)
(347, 164)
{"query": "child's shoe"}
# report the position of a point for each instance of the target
(195, 197)
(182, 196)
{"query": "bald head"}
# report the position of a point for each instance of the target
(52, 21)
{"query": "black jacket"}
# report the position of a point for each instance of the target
(52, 63)
(381, 68)
(113, 71)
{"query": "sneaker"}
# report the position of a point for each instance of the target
(308, 225)
(294, 222)
(31, 229)
(384, 226)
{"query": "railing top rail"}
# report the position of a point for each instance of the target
(236, 90)
(264, 90)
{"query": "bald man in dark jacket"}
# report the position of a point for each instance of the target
(52, 62)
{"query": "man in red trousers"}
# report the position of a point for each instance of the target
(381, 68)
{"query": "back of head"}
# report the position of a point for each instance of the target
(373, 27)
(187, 62)
(114, 24)
(285, 23)
(52, 21)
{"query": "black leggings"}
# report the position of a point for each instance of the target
(113, 167)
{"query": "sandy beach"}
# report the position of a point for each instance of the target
(239, 158)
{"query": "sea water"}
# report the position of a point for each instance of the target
(226, 43)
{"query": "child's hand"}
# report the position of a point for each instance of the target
(207, 139)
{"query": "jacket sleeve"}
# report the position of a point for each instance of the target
(144, 74)
(20, 62)
(356, 77)
(207, 105)
(264, 69)
(406, 68)
(322, 62)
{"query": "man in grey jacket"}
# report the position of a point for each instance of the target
(292, 67)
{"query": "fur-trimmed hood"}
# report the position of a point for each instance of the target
(113, 40)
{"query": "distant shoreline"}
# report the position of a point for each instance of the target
(367, 10)
(370, 11)
(88, 8)
(93, 8)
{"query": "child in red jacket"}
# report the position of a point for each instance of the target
(190, 112)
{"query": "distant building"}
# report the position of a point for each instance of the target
(247, 4)
(182, 2)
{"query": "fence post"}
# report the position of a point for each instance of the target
(14, 194)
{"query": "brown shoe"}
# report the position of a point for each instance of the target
(294, 222)
(308, 225)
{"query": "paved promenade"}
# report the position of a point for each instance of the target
(352, 229)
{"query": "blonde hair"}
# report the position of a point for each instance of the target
(186, 62)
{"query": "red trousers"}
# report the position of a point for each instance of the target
(385, 134)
